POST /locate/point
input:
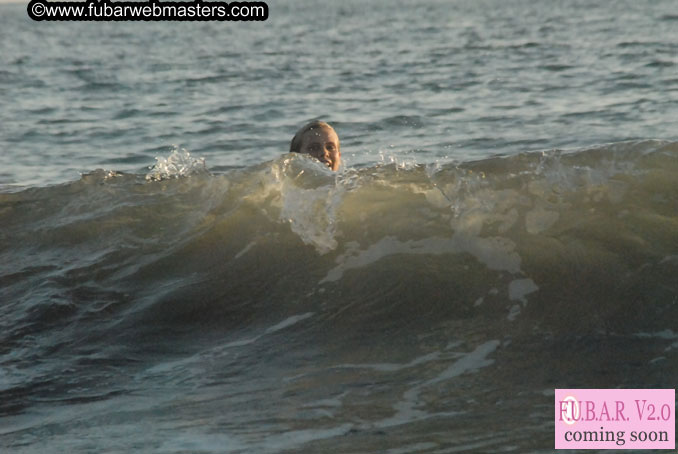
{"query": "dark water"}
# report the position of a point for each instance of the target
(479, 248)
(384, 309)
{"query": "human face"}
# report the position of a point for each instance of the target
(322, 144)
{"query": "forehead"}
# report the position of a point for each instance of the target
(320, 135)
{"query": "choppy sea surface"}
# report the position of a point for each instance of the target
(505, 223)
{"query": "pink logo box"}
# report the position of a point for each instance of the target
(615, 418)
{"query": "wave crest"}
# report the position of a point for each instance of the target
(178, 164)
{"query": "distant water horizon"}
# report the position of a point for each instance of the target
(504, 224)
(457, 82)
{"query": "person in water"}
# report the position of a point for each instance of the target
(321, 141)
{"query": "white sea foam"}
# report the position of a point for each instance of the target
(406, 410)
(179, 163)
(246, 249)
(519, 288)
(391, 367)
(517, 291)
(310, 195)
(278, 327)
(666, 334)
(468, 363)
(185, 363)
(495, 252)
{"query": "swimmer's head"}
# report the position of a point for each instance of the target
(319, 140)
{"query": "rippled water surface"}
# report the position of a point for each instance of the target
(420, 81)
(505, 223)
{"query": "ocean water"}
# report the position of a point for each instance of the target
(505, 223)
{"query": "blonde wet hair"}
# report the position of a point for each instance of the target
(295, 145)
